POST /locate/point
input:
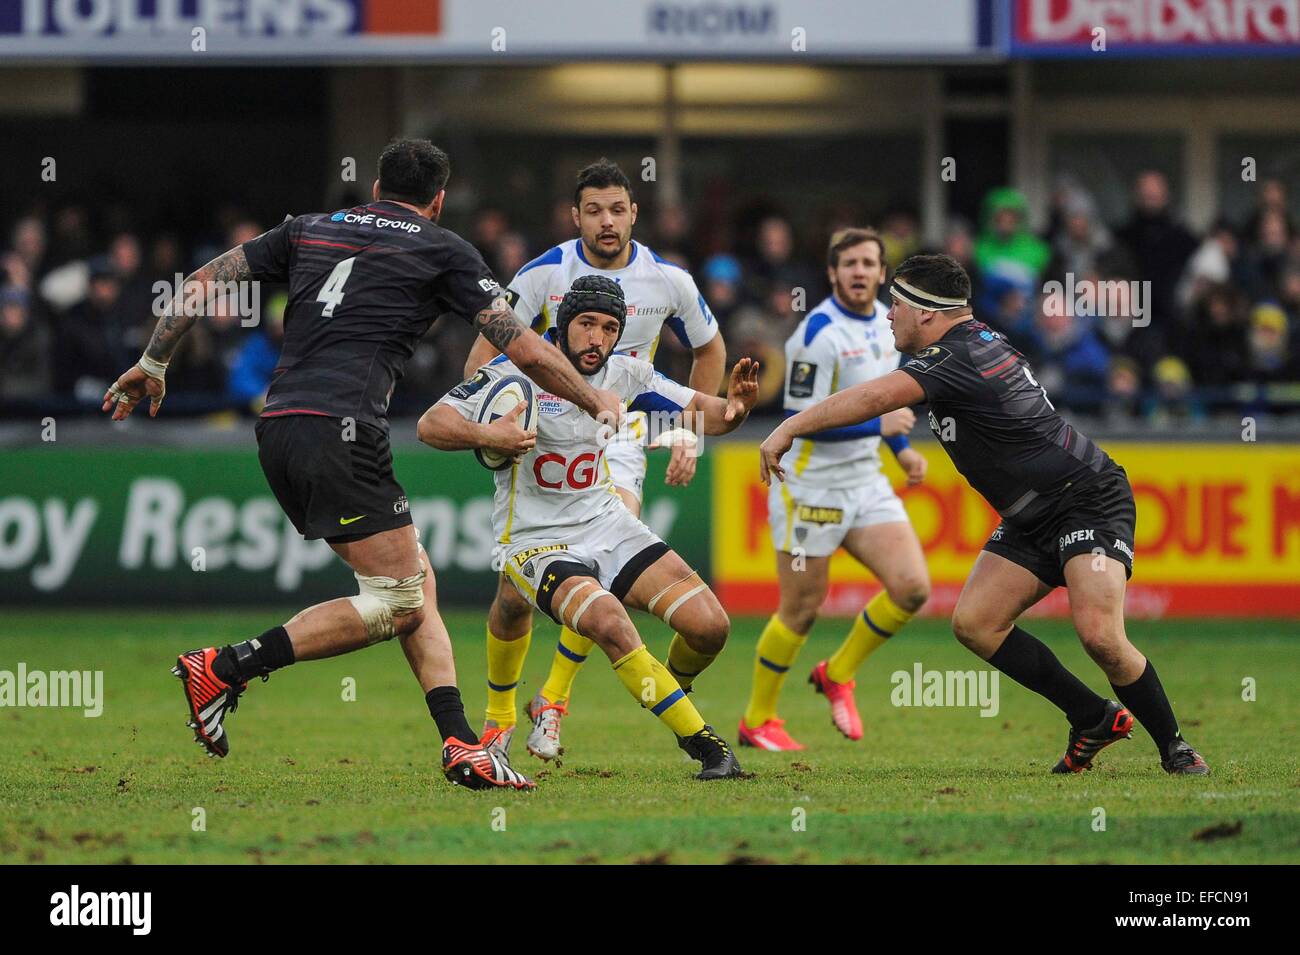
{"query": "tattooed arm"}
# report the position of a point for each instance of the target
(230, 266)
(542, 361)
(146, 377)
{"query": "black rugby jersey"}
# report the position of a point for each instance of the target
(364, 285)
(997, 424)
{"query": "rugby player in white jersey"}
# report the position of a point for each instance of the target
(567, 544)
(836, 496)
(658, 294)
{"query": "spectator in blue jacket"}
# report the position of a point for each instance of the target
(256, 358)
(1069, 359)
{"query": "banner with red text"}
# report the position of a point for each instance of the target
(1218, 532)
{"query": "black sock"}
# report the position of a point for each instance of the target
(1146, 700)
(1029, 662)
(448, 712)
(241, 662)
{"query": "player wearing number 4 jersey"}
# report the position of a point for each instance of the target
(567, 544)
(364, 285)
(660, 296)
(1067, 509)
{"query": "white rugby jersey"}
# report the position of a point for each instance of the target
(563, 482)
(658, 293)
(833, 349)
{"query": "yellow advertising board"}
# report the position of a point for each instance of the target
(1218, 531)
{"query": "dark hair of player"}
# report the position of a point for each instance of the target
(842, 239)
(940, 275)
(412, 170)
(601, 174)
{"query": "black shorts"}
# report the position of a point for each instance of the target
(329, 486)
(1094, 517)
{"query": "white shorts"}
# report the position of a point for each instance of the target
(815, 520)
(626, 458)
(616, 548)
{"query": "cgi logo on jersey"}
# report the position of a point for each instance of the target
(248, 18)
(555, 471)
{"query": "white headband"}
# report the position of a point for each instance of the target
(926, 301)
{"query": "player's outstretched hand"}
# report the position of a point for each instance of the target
(505, 436)
(742, 390)
(898, 422)
(770, 453)
(914, 465)
(132, 386)
(681, 464)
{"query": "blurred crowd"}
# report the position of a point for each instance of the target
(1147, 319)
(1141, 320)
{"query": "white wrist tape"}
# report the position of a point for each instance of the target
(152, 367)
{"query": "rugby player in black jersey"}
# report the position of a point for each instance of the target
(364, 285)
(1067, 509)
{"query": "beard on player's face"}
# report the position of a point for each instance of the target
(588, 358)
(606, 242)
(855, 290)
(856, 276)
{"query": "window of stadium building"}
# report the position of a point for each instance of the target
(1106, 164)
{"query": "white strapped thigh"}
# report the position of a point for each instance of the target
(672, 607)
(582, 607)
(650, 607)
(573, 592)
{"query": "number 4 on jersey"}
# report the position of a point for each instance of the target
(1028, 374)
(331, 293)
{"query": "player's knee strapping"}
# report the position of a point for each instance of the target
(591, 593)
(673, 596)
(383, 598)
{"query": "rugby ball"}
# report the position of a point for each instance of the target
(500, 399)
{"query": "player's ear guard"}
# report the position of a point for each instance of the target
(383, 597)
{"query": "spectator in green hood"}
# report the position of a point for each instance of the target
(1009, 257)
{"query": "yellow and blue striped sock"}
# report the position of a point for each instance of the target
(571, 653)
(686, 664)
(879, 620)
(655, 689)
(777, 649)
(505, 659)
